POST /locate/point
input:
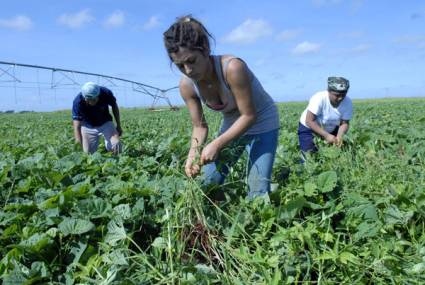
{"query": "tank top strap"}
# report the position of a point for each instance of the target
(221, 71)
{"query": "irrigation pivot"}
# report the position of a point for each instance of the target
(19, 76)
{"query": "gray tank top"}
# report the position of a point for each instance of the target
(267, 114)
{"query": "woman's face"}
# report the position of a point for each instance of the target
(336, 97)
(194, 64)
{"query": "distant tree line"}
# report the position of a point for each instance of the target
(13, 111)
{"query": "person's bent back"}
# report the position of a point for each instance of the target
(91, 118)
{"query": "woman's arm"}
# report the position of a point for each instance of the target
(199, 126)
(343, 129)
(310, 120)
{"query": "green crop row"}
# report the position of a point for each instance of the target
(351, 215)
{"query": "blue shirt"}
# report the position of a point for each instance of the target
(95, 115)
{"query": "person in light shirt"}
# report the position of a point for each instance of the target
(327, 115)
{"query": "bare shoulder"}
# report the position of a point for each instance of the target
(236, 69)
(235, 63)
(186, 87)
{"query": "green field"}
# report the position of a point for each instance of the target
(354, 215)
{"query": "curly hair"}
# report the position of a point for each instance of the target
(189, 33)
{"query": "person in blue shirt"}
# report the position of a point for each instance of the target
(91, 118)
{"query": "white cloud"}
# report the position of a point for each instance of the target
(287, 35)
(116, 19)
(19, 23)
(152, 23)
(249, 32)
(77, 20)
(306, 47)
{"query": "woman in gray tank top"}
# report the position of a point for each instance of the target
(224, 84)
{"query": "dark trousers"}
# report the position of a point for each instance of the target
(306, 138)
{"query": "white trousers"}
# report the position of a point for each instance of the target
(90, 136)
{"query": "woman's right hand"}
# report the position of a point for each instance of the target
(192, 168)
(331, 139)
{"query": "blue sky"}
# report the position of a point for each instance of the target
(292, 46)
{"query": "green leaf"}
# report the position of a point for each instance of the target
(123, 210)
(292, 208)
(328, 237)
(37, 242)
(353, 198)
(326, 181)
(346, 257)
(159, 242)
(418, 268)
(116, 232)
(394, 215)
(277, 277)
(94, 208)
(71, 226)
(330, 152)
(32, 160)
(310, 189)
(10, 231)
(116, 257)
(39, 269)
(16, 277)
(370, 212)
(138, 207)
(5, 167)
(49, 203)
(327, 256)
(367, 229)
(273, 261)
(205, 269)
(77, 251)
(67, 163)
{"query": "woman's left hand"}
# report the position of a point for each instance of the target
(339, 141)
(209, 153)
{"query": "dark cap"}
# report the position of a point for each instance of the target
(338, 84)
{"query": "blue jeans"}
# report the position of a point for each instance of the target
(261, 150)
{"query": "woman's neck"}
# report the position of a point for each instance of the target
(210, 76)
